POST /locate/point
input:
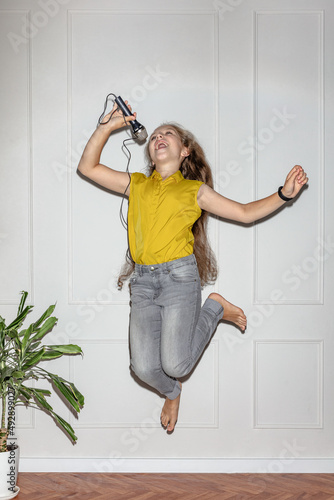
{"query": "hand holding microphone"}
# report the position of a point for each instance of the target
(138, 130)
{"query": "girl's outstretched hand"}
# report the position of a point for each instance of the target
(294, 181)
(116, 118)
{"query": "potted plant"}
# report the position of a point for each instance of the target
(21, 357)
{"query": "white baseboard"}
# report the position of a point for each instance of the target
(233, 465)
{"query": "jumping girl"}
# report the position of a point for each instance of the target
(171, 256)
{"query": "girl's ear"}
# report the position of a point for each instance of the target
(185, 152)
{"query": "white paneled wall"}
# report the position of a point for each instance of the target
(253, 80)
(16, 180)
(145, 70)
(289, 123)
(294, 397)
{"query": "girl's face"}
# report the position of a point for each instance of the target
(165, 144)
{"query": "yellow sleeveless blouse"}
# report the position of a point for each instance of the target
(161, 216)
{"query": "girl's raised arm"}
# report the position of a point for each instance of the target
(90, 165)
(213, 202)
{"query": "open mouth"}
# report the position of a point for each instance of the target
(161, 145)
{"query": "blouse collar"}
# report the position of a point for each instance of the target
(176, 177)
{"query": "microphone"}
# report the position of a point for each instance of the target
(138, 130)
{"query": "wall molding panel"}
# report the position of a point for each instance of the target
(16, 232)
(195, 465)
(282, 90)
(288, 384)
(146, 402)
(76, 21)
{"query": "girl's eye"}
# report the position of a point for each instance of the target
(168, 132)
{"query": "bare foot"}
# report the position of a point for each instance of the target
(231, 312)
(170, 412)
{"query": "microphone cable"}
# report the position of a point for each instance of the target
(123, 219)
(99, 122)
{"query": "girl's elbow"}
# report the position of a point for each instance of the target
(246, 216)
(81, 166)
(85, 169)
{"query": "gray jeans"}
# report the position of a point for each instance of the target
(168, 327)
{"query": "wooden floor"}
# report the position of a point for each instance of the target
(47, 486)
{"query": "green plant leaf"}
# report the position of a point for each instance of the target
(45, 328)
(66, 388)
(32, 359)
(65, 425)
(21, 350)
(45, 315)
(6, 372)
(51, 355)
(68, 394)
(34, 345)
(39, 397)
(78, 395)
(18, 343)
(41, 401)
(19, 319)
(18, 374)
(29, 375)
(2, 324)
(26, 337)
(12, 333)
(74, 389)
(43, 391)
(66, 348)
(25, 392)
(22, 302)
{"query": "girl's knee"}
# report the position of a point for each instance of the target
(176, 370)
(144, 373)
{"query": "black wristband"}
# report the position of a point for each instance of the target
(281, 195)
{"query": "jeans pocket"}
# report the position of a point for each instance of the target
(184, 274)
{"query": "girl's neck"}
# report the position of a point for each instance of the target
(167, 170)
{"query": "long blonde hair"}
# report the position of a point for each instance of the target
(193, 167)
